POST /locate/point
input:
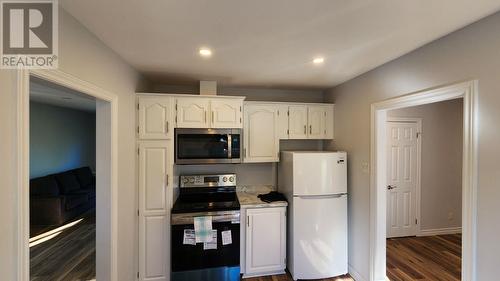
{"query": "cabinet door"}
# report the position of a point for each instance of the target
(265, 240)
(226, 113)
(329, 121)
(316, 118)
(154, 214)
(260, 134)
(282, 121)
(192, 112)
(297, 121)
(155, 118)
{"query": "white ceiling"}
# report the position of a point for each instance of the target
(48, 93)
(270, 43)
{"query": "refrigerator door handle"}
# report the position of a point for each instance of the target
(337, 195)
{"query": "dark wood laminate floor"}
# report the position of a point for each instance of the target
(70, 255)
(287, 277)
(424, 258)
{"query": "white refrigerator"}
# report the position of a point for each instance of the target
(315, 185)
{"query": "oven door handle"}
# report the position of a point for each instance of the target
(183, 219)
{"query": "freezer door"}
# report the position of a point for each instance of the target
(319, 237)
(319, 173)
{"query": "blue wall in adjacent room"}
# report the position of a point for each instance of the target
(60, 139)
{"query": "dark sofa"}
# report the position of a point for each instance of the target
(57, 198)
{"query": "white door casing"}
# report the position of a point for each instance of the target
(402, 177)
(467, 90)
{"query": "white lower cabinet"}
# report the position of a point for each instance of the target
(265, 241)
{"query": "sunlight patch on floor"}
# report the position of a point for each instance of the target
(46, 236)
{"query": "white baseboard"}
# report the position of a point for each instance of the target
(440, 231)
(355, 274)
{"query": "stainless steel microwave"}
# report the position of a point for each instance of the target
(207, 146)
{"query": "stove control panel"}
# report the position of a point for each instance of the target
(207, 180)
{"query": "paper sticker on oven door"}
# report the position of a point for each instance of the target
(226, 237)
(211, 245)
(188, 237)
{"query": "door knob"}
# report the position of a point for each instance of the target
(389, 187)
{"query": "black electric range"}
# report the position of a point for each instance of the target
(211, 196)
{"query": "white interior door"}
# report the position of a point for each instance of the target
(402, 161)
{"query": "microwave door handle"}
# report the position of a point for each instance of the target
(229, 146)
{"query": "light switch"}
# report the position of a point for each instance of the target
(365, 167)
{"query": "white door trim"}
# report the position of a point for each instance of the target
(468, 91)
(109, 110)
(418, 188)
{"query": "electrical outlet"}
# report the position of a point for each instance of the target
(450, 216)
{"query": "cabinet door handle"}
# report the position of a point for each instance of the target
(167, 127)
(305, 129)
(213, 116)
(248, 221)
(205, 120)
(310, 129)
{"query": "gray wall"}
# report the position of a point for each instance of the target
(82, 55)
(60, 139)
(470, 53)
(441, 162)
(251, 94)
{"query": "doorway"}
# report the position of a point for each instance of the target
(106, 167)
(379, 180)
(62, 183)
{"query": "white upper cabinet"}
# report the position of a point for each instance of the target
(202, 112)
(316, 119)
(282, 121)
(329, 121)
(260, 133)
(226, 113)
(192, 112)
(155, 118)
(297, 121)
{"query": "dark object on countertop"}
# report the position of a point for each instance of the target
(272, 196)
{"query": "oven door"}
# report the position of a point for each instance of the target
(198, 262)
(207, 146)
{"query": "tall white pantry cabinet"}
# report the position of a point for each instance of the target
(155, 168)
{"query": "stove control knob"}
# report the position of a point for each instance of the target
(185, 180)
(231, 179)
(224, 179)
(191, 180)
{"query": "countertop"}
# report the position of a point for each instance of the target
(247, 195)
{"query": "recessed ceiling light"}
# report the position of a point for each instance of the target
(318, 60)
(205, 52)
